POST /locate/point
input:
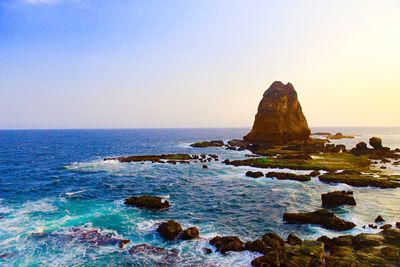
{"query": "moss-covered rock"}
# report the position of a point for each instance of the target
(359, 180)
(213, 143)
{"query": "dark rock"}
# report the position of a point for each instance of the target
(338, 198)
(288, 176)
(231, 148)
(326, 241)
(280, 118)
(320, 217)
(169, 230)
(398, 225)
(360, 149)
(315, 173)
(213, 143)
(376, 143)
(269, 259)
(257, 246)
(227, 243)
(385, 226)
(358, 180)
(379, 219)
(207, 250)
(153, 158)
(205, 166)
(254, 174)
(190, 233)
(293, 240)
(148, 202)
(123, 242)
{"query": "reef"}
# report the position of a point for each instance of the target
(213, 143)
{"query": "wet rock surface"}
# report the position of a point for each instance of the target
(227, 243)
(288, 176)
(338, 198)
(148, 202)
(169, 230)
(320, 217)
(254, 174)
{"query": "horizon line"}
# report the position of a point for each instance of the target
(172, 128)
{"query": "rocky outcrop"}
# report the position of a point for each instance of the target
(148, 202)
(190, 233)
(169, 230)
(338, 198)
(254, 174)
(212, 143)
(227, 243)
(320, 217)
(279, 118)
(288, 176)
(359, 180)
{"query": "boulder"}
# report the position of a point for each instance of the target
(320, 217)
(148, 202)
(190, 233)
(227, 243)
(254, 174)
(338, 198)
(379, 219)
(376, 143)
(169, 230)
(279, 118)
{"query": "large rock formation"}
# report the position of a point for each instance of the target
(280, 118)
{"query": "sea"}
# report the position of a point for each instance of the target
(55, 183)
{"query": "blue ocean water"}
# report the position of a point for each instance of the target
(52, 181)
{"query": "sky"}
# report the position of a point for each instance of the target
(195, 63)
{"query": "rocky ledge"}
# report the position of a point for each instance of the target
(212, 143)
(288, 176)
(320, 217)
(166, 158)
(338, 198)
(357, 179)
(148, 202)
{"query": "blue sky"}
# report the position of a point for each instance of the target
(127, 64)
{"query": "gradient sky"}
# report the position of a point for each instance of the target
(132, 64)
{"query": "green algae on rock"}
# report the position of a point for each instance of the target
(213, 143)
(359, 180)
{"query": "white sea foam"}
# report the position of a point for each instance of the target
(74, 193)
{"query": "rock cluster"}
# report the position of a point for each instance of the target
(212, 143)
(171, 230)
(279, 118)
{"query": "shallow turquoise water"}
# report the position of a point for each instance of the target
(53, 181)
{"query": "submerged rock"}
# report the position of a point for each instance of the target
(148, 202)
(338, 198)
(320, 217)
(339, 136)
(288, 176)
(227, 243)
(213, 143)
(254, 174)
(169, 230)
(279, 118)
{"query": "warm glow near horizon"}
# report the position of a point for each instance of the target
(132, 64)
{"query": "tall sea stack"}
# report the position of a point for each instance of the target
(279, 119)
